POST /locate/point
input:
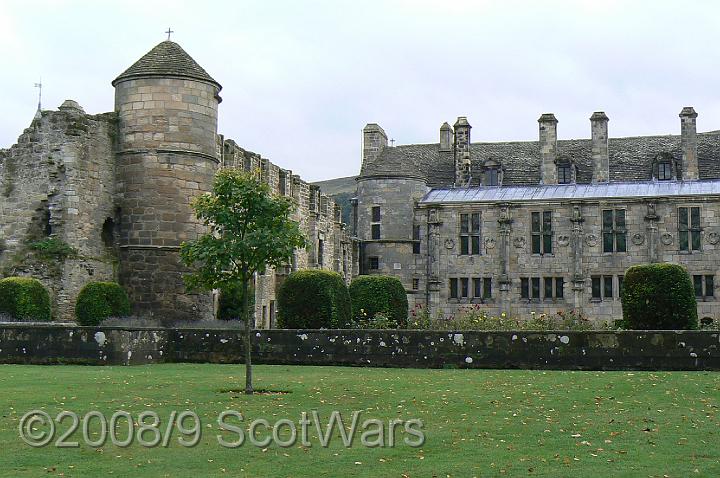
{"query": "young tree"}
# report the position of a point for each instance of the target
(249, 230)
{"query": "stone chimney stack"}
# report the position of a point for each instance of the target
(374, 140)
(462, 149)
(600, 155)
(446, 134)
(548, 148)
(688, 143)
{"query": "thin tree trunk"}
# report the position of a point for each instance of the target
(248, 340)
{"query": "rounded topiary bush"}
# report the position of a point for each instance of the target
(98, 301)
(313, 299)
(24, 298)
(658, 296)
(375, 294)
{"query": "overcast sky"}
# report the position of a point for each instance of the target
(301, 78)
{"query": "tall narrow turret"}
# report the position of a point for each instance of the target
(167, 108)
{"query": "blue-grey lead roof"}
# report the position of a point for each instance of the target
(638, 189)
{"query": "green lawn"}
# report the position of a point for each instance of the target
(477, 423)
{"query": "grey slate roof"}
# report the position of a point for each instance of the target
(643, 189)
(630, 159)
(167, 59)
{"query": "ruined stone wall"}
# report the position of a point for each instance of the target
(318, 217)
(577, 253)
(58, 183)
(124, 206)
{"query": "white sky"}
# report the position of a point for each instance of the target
(301, 78)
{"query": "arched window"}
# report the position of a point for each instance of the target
(492, 173)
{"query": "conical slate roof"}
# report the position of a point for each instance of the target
(167, 59)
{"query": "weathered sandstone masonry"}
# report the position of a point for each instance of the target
(117, 189)
(542, 226)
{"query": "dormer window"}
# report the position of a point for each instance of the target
(491, 173)
(564, 174)
(565, 170)
(491, 177)
(664, 167)
(664, 171)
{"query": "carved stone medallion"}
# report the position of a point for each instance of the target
(666, 238)
(591, 240)
(489, 243)
(713, 237)
(638, 238)
(563, 240)
(519, 242)
(449, 243)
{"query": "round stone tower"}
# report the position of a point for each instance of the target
(167, 108)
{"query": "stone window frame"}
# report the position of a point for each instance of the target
(692, 231)
(603, 281)
(417, 230)
(565, 162)
(472, 237)
(664, 171)
(453, 288)
(463, 289)
(529, 285)
(320, 251)
(375, 222)
(614, 230)
(416, 283)
(665, 158)
(542, 234)
(481, 289)
(495, 166)
(705, 281)
(528, 288)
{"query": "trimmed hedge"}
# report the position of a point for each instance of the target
(230, 301)
(98, 301)
(313, 299)
(658, 297)
(24, 298)
(375, 294)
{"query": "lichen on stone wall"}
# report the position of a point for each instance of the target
(57, 185)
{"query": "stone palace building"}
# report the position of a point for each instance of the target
(542, 226)
(116, 188)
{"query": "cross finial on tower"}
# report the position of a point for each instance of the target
(392, 143)
(169, 32)
(39, 87)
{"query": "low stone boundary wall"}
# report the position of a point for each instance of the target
(602, 350)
